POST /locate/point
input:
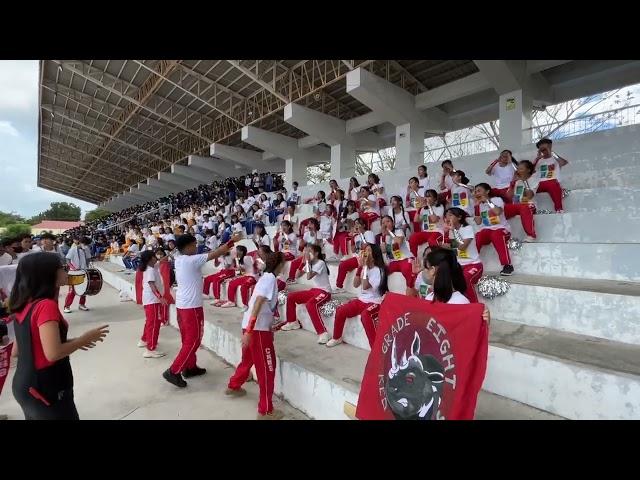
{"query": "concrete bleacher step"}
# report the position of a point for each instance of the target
(595, 200)
(315, 379)
(606, 261)
(607, 309)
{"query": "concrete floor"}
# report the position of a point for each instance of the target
(114, 382)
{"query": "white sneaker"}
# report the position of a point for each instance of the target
(291, 326)
(83, 308)
(339, 290)
(529, 239)
(333, 342)
(141, 344)
(324, 338)
(66, 310)
(153, 354)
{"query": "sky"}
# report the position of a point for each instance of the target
(19, 142)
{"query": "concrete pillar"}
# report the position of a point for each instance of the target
(343, 161)
(295, 171)
(409, 145)
(515, 119)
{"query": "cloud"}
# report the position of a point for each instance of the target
(7, 129)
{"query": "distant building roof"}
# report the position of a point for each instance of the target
(56, 225)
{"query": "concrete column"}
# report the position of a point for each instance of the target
(409, 145)
(515, 119)
(295, 171)
(343, 161)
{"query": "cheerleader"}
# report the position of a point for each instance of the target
(396, 250)
(310, 237)
(522, 191)
(360, 238)
(377, 188)
(257, 340)
(446, 181)
(502, 171)
(371, 278)
(354, 189)
(494, 229)
(369, 206)
(548, 164)
(215, 281)
(317, 270)
(246, 276)
(430, 220)
(153, 302)
(462, 193)
(344, 226)
(462, 241)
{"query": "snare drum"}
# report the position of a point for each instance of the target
(86, 282)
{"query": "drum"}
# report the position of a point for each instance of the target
(86, 282)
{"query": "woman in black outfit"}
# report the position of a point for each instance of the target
(43, 381)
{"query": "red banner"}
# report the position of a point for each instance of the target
(427, 363)
(5, 357)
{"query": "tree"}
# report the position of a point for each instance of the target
(9, 218)
(15, 229)
(96, 214)
(59, 211)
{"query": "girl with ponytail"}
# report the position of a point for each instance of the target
(502, 171)
(443, 273)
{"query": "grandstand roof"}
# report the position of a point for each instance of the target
(105, 125)
(56, 225)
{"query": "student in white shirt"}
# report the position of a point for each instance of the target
(461, 239)
(333, 188)
(423, 180)
(317, 270)
(345, 225)
(494, 229)
(214, 282)
(319, 205)
(246, 277)
(78, 256)
(354, 189)
(443, 273)
(287, 241)
(327, 224)
(360, 238)
(294, 196)
(548, 164)
(310, 237)
(189, 307)
(152, 300)
(400, 217)
(462, 193)
(371, 278)
(257, 340)
(522, 192)
(446, 181)
(369, 206)
(430, 218)
(377, 188)
(501, 171)
(414, 199)
(395, 250)
(260, 236)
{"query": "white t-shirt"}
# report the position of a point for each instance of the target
(189, 280)
(462, 197)
(319, 207)
(237, 228)
(392, 254)
(247, 264)
(168, 236)
(360, 239)
(212, 242)
(155, 229)
(289, 243)
(208, 225)
(427, 226)
(310, 237)
(456, 298)
(321, 280)
(247, 182)
(148, 297)
(547, 169)
(354, 194)
(353, 216)
(493, 222)
(502, 176)
(400, 220)
(376, 188)
(266, 287)
(423, 185)
(326, 227)
(519, 188)
(448, 182)
(375, 208)
(470, 255)
(371, 294)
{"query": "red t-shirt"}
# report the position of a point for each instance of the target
(45, 311)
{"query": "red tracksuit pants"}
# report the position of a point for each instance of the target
(368, 316)
(344, 267)
(418, 238)
(404, 267)
(340, 243)
(153, 315)
(312, 300)
(262, 354)
(499, 240)
(296, 264)
(502, 193)
(71, 295)
(216, 280)
(526, 211)
(191, 325)
(472, 273)
(245, 284)
(553, 188)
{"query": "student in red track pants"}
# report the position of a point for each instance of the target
(414, 200)
(214, 282)
(371, 278)
(522, 191)
(343, 237)
(360, 239)
(311, 237)
(189, 306)
(548, 165)
(396, 252)
(153, 301)
(502, 171)
(494, 229)
(369, 206)
(446, 182)
(257, 340)
(430, 220)
(245, 279)
(317, 270)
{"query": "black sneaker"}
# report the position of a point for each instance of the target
(194, 372)
(174, 379)
(507, 270)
